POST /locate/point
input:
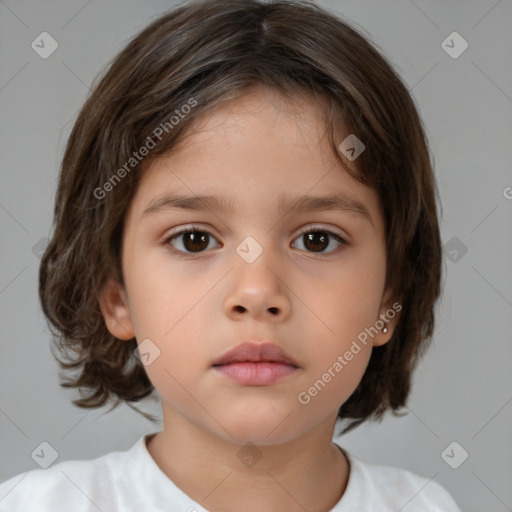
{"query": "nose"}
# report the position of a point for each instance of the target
(258, 290)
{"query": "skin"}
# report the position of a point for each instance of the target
(195, 308)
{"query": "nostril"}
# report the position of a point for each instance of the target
(241, 309)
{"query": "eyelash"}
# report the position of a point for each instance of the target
(194, 228)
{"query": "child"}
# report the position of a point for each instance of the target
(247, 197)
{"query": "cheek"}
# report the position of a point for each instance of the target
(182, 357)
(344, 307)
(162, 295)
(173, 311)
(336, 382)
(344, 302)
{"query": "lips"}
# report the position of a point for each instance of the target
(256, 364)
(256, 353)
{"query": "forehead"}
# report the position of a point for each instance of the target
(260, 150)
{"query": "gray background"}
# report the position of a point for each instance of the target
(462, 389)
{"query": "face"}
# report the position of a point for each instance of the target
(201, 279)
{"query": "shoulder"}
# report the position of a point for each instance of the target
(75, 483)
(386, 488)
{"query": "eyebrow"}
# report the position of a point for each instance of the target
(307, 203)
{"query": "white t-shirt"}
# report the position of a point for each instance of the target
(131, 481)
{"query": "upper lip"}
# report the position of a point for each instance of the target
(250, 351)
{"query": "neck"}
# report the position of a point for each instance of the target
(305, 473)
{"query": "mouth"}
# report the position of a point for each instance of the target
(255, 364)
(262, 373)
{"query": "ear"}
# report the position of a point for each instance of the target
(116, 313)
(389, 315)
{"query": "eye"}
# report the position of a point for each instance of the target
(191, 240)
(195, 240)
(317, 240)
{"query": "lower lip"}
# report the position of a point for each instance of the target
(256, 374)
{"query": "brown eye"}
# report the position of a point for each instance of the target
(317, 240)
(190, 241)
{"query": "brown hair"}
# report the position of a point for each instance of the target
(201, 54)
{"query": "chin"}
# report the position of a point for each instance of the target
(262, 428)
